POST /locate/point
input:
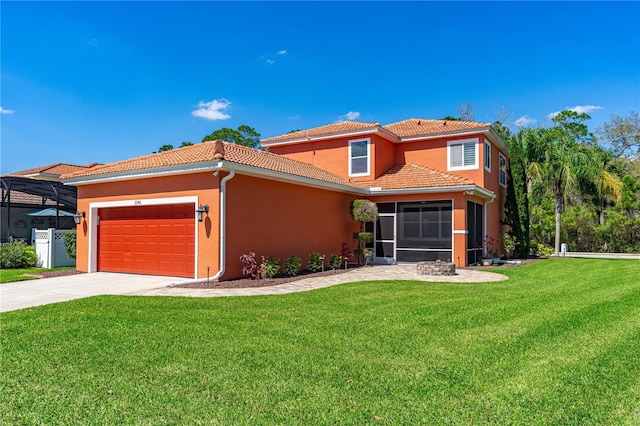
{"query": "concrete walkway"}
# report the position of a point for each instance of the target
(367, 273)
(25, 294)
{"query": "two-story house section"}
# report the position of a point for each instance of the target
(440, 185)
(192, 212)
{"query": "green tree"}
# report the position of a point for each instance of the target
(517, 201)
(363, 211)
(569, 163)
(243, 135)
(166, 147)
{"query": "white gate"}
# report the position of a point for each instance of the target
(50, 248)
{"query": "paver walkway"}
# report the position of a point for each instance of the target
(367, 273)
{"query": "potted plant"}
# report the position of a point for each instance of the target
(494, 248)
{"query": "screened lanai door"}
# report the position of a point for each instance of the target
(415, 231)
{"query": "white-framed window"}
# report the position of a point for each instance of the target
(503, 170)
(462, 154)
(359, 155)
(487, 155)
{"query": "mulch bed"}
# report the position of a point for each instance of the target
(52, 274)
(249, 283)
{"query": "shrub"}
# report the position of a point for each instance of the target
(292, 266)
(543, 250)
(509, 244)
(315, 262)
(269, 267)
(69, 239)
(345, 254)
(16, 254)
(250, 265)
(335, 261)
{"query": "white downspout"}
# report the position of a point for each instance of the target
(223, 238)
(223, 223)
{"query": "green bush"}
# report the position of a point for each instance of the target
(16, 254)
(543, 250)
(315, 262)
(269, 267)
(335, 261)
(292, 266)
(69, 239)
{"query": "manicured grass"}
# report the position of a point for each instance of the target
(558, 343)
(12, 275)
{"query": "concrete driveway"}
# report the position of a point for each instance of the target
(25, 294)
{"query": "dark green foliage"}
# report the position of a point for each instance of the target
(363, 211)
(243, 135)
(315, 262)
(16, 254)
(269, 267)
(69, 239)
(292, 266)
(517, 200)
(335, 261)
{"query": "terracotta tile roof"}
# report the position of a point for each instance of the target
(207, 152)
(268, 161)
(412, 127)
(198, 153)
(414, 176)
(330, 129)
(19, 197)
(422, 127)
(54, 169)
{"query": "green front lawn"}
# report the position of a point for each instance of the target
(558, 343)
(12, 275)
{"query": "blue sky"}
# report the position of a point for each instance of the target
(86, 82)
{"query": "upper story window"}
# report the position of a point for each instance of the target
(359, 154)
(462, 154)
(503, 170)
(487, 156)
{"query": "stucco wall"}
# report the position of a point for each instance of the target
(280, 219)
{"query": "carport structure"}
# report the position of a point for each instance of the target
(20, 193)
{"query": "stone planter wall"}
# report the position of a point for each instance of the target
(436, 268)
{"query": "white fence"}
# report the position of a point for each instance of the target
(50, 248)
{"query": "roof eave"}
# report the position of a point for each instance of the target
(495, 137)
(141, 173)
(466, 189)
(377, 129)
(439, 135)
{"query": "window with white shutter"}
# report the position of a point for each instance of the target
(462, 154)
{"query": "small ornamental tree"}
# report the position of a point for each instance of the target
(363, 211)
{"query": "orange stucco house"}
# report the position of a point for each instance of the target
(192, 212)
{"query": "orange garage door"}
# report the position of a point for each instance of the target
(154, 240)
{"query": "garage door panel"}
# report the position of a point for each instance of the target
(157, 240)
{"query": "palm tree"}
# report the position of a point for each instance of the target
(564, 158)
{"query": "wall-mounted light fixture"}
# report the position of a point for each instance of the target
(201, 210)
(77, 218)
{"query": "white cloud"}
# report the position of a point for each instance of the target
(585, 108)
(213, 110)
(270, 61)
(294, 117)
(351, 115)
(525, 121)
(6, 111)
(282, 52)
(579, 109)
